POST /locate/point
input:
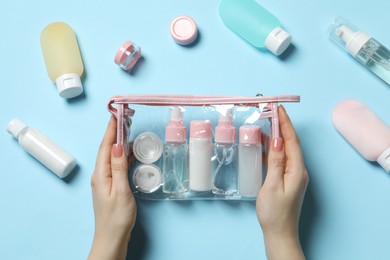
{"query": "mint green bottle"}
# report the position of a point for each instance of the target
(255, 24)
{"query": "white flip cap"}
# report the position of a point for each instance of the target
(384, 160)
(354, 41)
(69, 85)
(277, 41)
(15, 127)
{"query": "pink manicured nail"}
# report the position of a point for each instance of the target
(117, 150)
(277, 144)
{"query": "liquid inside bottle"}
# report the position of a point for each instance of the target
(368, 51)
(376, 58)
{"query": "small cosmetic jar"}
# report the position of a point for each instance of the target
(127, 55)
(147, 148)
(147, 178)
(183, 30)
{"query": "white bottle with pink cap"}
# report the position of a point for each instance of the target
(225, 154)
(200, 153)
(250, 173)
(175, 156)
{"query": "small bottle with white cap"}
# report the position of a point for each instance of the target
(225, 154)
(42, 148)
(369, 52)
(63, 59)
(255, 24)
(175, 156)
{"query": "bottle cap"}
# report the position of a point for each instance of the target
(175, 130)
(183, 30)
(147, 178)
(147, 147)
(127, 55)
(225, 132)
(69, 85)
(384, 160)
(250, 134)
(15, 127)
(354, 41)
(277, 41)
(200, 129)
(347, 36)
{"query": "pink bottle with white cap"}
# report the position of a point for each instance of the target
(175, 156)
(250, 173)
(364, 130)
(225, 153)
(200, 153)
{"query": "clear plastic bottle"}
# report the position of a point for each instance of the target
(200, 153)
(225, 154)
(369, 52)
(175, 156)
(42, 148)
(250, 173)
(63, 59)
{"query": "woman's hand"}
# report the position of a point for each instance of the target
(280, 199)
(113, 202)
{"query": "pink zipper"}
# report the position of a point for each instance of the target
(123, 111)
(198, 100)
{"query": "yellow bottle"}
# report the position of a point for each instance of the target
(63, 59)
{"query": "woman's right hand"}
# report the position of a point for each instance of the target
(280, 199)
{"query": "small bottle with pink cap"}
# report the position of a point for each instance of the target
(250, 173)
(225, 154)
(200, 153)
(175, 155)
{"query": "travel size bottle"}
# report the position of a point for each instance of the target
(255, 24)
(63, 59)
(42, 148)
(364, 130)
(225, 154)
(200, 153)
(250, 173)
(175, 156)
(369, 52)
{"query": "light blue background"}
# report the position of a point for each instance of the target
(346, 211)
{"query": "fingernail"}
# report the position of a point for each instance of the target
(117, 150)
(277, 144)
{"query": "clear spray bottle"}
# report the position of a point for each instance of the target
(225, 153)
(175, 156)
(369, 52)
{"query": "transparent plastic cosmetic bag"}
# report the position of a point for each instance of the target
(189, 147)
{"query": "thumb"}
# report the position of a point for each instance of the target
(119, 169)
(276, 163)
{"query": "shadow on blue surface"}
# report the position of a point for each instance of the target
(288, 53)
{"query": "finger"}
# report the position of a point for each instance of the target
(120, 169)
(276, 164)
(104, 155)
(291, 142)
